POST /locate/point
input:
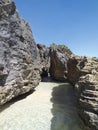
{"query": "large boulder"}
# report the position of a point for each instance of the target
(74, 66)
(19, 57)
(82, 72)
(59, 57)
(58, 63)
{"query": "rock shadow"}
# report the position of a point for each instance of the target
(64, 109)
(47, 79)
(16, 99)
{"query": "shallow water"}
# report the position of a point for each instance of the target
(50, 107)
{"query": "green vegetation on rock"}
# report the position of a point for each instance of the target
(61, 47)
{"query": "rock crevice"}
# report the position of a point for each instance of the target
(23, 62)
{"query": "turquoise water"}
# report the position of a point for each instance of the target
(51, 107)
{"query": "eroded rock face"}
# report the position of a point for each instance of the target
(82, 72)
(44, 59)
(19, 57)
(87, 90)
(22, 61)
(58, 64)
(74, 66)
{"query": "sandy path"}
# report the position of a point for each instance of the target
(42, 110)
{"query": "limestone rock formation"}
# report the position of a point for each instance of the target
(74, 65)
(44, 59)
(82, 72)
(58, 64)
(19, 57)
(22, 62)
(87, 90)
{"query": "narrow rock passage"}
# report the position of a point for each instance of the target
(50, 107)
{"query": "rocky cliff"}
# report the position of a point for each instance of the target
(82, 72)
(44, 60)
(19, 57)
(87, 93)
(22, 62)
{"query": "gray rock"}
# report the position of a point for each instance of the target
(19, 56)
(44, 59)
(82, 72)
(87, 93)
(58, 64)
(74, 66)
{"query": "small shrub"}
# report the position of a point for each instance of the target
(62, 47)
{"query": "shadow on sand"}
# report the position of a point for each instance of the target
(16, 99)
(64, 109)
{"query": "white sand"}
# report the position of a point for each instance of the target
(38, 112)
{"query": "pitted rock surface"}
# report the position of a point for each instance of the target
(87, 90)
(58, 64)
(19, 57)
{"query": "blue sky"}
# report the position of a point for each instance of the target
(70, 22)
